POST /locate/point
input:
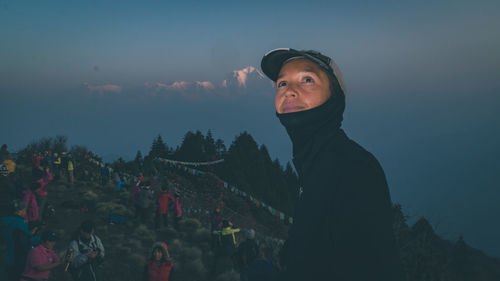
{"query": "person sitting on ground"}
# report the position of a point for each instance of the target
(246, 253)
(88, 253)
(18, 239)
(159, 266)
(42, 259)
(162, 209)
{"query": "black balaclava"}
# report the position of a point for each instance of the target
(310, 129)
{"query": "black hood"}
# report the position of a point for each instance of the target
(309, 130)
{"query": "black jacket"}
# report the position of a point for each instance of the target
(342, 226)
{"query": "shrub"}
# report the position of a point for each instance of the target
(89, 195)
(191, 253)
(189, 225)
(201, 235)
(195, 268)
(228, 276)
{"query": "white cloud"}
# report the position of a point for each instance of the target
(242, 75)
(103, 88)
(206, 85)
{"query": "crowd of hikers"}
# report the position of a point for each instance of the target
(29, 253)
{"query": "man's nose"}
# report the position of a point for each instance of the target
(291, 90)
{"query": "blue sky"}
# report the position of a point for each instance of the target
(423, 79)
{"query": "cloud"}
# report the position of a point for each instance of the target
(205, 85)
(243, 74)
(101, 89)
(237, 83)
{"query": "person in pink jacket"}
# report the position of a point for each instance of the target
(31, 204)
(41, 194)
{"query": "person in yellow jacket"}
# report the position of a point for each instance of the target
(226, 249)
(71, 168)
(11, 165)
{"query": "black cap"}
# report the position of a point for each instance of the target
(273, 61)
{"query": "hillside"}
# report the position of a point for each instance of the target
(425, 255)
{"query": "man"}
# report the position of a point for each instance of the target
(71, 169)
(18, 239)
(88, 253)
(146, 201)
(343, 218)
(224, 252)
(246, 253)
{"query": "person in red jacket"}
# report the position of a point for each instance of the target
(159, 266)
(162, 210)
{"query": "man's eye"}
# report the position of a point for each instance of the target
(281, 84)
(308, 80)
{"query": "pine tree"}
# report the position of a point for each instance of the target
(158, 148)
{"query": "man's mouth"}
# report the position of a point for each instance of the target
(291, 107)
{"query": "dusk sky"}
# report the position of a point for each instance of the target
(423, 85)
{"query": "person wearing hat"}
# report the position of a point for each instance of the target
(342, 226)
(42, 259)
(18, 239)
(159, 266)
(88, 253)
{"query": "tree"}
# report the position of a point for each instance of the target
(220, 147)
(192, 147)
(60, 144)
(158, 148)
(209, 147)
(4, 153)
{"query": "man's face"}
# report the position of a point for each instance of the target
(301, 85)
(85, 235)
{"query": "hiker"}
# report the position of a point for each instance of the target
(216, 220)
(18, 239)
(29, 198)
(41, 194)
(178, 209)
(120, 183)
(226, 248)
(42, 259)
(88, 253)
(246, 253)
(145, 205)
(162, 209)
(263, 268)
(105, 173)
(48, 160)
(159, 266)
(71, 168)
(136, 198)
(11, 165)
(57, 166)
(342, 227)
(215, 225)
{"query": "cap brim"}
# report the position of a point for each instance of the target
(271, 62)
